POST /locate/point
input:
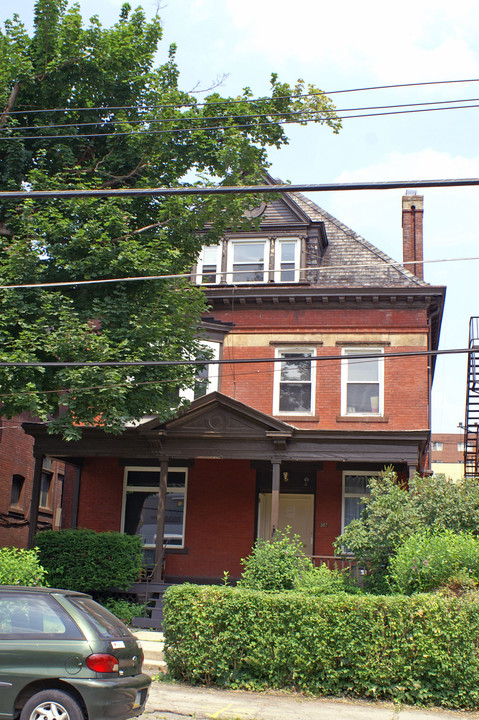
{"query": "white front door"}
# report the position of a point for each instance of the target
(295, 511)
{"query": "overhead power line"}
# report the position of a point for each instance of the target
(190, 275)
(195, 118)
(180, 131)
(234, 101)
(235, 361)
(233, 189)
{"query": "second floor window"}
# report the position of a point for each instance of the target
(294, 382)
(362, 382)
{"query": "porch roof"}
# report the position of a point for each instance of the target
(217, 426)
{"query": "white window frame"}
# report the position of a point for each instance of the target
(365, 351)
(438, 446)
(277, 380)
(344, 494)
(149, 488)
(278, 260)
(201, 263)
(230, 260)
(213, 371)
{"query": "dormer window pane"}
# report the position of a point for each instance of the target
(248, 262)
(286, 263)
(209, 260)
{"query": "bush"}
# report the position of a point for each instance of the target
(321, 580)
(394, 511)
(427, 561)
(124, 610)
(419, 649)
(88, 561)
(21, 567)
(275, 564)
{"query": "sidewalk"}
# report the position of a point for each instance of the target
(170, 701)
(176, 702)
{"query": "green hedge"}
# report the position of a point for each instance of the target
(21, 567)
(420, 649)
(88, 561)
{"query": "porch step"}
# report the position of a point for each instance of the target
(152, 644)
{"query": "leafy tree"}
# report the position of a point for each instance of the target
(393, 512)
(135, 128)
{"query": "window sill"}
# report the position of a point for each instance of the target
(177, 551)
(45, 510)
(16, 511)
(288, 417)
(363, 418)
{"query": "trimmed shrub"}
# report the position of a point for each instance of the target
(416, 649)
(125, 610)
(275, 564)
(21, 567)
(323, 581)
(88, 561)
(427, 561)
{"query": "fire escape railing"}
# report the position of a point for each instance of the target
(471, 425)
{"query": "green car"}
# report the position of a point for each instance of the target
(65, 657)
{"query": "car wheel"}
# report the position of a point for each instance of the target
(51, 705)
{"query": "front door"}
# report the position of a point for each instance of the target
(295, 511)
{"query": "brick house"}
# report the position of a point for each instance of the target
(307, 395)
(447, 454)
(16, 474)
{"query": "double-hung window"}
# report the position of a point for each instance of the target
(207, 379)
(355, 488)
(209, 265)
(140, 506)
(362, 381)
(248, 261)
(294, 381)
(286, 256)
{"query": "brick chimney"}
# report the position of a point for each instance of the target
(412, 213)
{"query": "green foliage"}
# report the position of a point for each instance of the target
(21, 567)
(88, 561)
(157, 140)
(323, 581)
(420, 649)
(427, 561)
(275, 564)
(125, 610)
(393, 512)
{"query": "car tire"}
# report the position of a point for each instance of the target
(52, 705)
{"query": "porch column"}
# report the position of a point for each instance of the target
(158, 574)
(34, 502)
(76, 496)
(275, 497)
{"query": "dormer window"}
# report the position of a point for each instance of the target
(251, 260)
(209, 265)
(286, 260)
(247, 261)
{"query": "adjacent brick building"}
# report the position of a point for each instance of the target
(319, 378)
(447, 454)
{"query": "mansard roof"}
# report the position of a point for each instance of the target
(348, 260)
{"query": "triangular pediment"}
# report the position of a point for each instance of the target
(216, 414)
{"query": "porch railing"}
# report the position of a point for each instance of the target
(340, 562)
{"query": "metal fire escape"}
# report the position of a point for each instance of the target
(471, 425)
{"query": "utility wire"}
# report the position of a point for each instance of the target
(240, 100)
(234, 189)
(186, 276)
(234, 126)
(236, 361)
(192, 118)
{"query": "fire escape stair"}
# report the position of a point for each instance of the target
(471, 425)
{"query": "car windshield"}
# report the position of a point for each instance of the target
(102, 621)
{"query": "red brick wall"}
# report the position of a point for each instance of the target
(16, 458)
(220, 517)
(101, 494)
(328, 508)
(405, 379)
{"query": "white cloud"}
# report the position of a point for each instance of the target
(433, 38)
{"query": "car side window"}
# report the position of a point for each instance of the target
(33, 616)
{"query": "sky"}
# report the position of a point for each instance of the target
(347, 45)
